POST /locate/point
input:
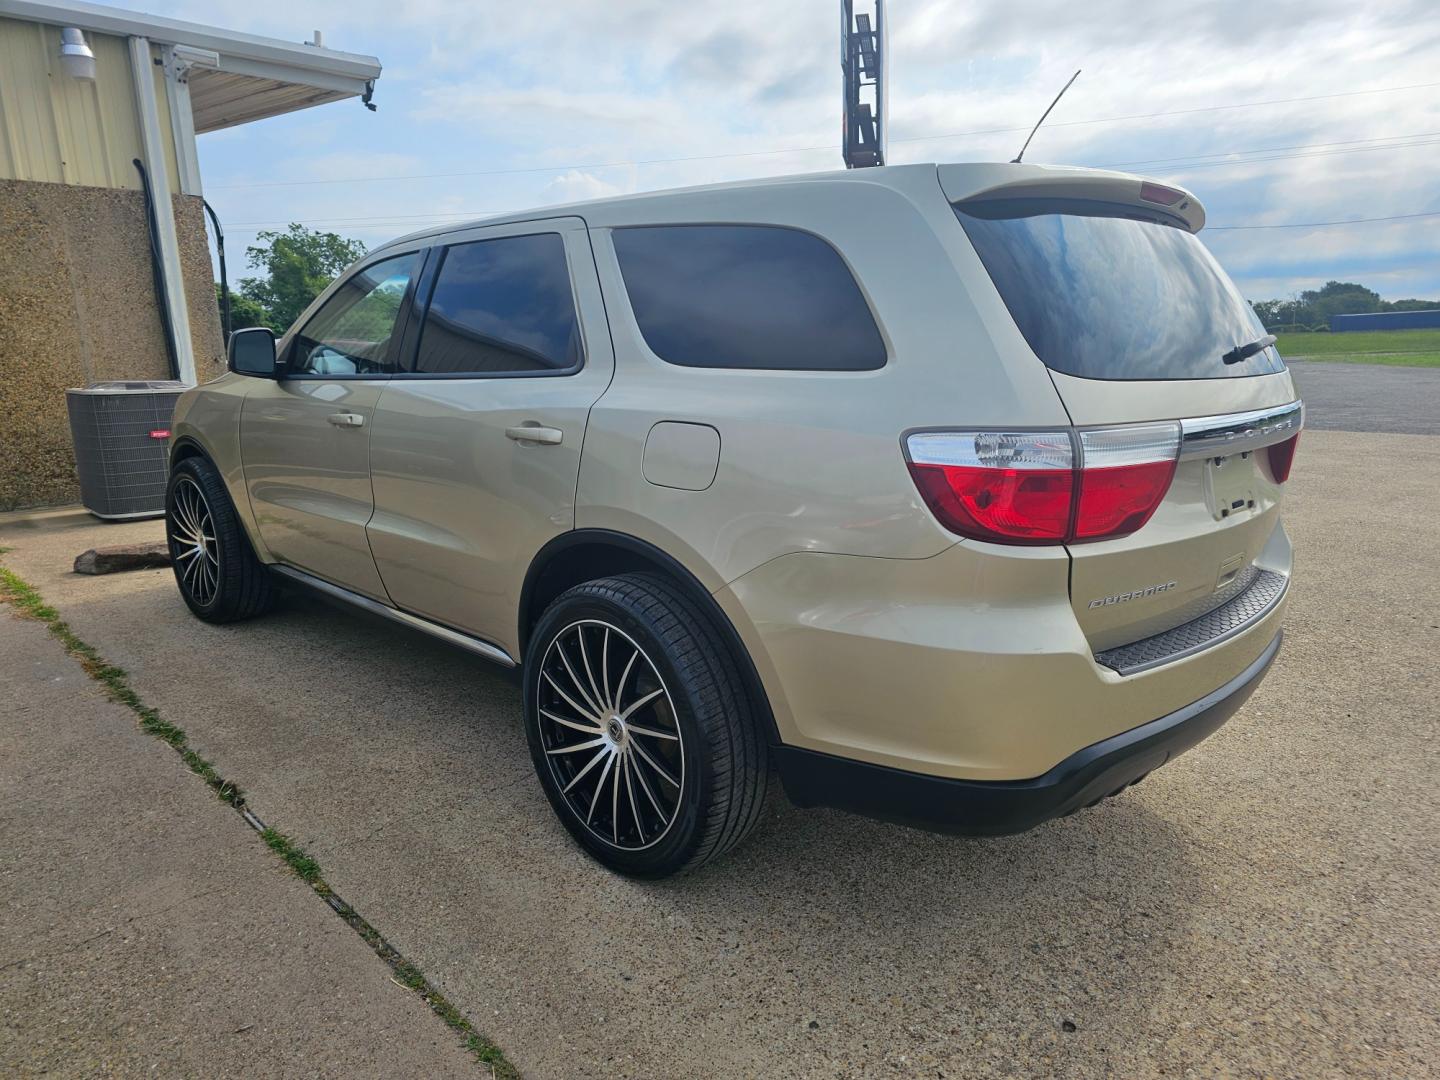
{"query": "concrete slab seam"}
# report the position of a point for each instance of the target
(26, 602)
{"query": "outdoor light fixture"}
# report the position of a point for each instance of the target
(76, 56)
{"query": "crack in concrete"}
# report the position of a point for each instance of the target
(25, 602)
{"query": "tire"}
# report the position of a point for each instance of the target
(219, 577)
(665, 759)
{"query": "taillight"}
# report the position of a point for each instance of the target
(1125, 472)
(1009, 487)
(1282, 456)
(1029, 487)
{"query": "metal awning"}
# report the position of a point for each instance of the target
(221, 99)
(253, 77)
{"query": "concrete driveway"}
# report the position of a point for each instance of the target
(1267, 905)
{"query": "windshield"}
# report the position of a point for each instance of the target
(1109, 292)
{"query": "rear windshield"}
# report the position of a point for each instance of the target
(1107, 292)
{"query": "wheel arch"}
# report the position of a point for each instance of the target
(187, 447)
(586, 554)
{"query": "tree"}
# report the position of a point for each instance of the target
(1270, 312)
(1340, 298)
(243, 311)
(1411, 305)
(297, 263)
(1313, 307)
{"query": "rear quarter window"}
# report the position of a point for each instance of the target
(1108, 292)
(746, 296)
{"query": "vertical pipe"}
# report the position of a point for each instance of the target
(224, 279)
(151, 140)
(157, 269)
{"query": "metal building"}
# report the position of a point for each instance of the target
(106, 270)
(1386, 320)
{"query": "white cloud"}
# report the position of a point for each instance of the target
(576, 84)
(577, 186)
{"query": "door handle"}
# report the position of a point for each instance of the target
(535, 433)
(346, 419)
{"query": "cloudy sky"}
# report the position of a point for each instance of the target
(1276, 112)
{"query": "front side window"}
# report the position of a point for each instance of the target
(351, 333)
(501, 306)
(746, 296)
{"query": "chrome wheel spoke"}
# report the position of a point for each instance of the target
(605, 667)
(183, 520)
(589, 729)
(192, 514)
(615, 799)
(645, 787)
(599, 756)
(569, 700)
(642, 703)
(600, 786)
(659, 769)
(575, 682)
(580, 699)
(600, 703)
(628, 765)
(624, 678)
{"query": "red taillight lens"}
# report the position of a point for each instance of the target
(1026, 488)
(1125, 473)
(1118, 501)
(1282, 456)
(1008, 487)
(1009, 506)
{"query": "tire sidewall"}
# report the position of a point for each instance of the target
(674, 851)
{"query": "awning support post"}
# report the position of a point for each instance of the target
(142, 70)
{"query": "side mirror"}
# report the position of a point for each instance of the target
(252, 352)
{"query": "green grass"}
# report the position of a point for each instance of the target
(28, 603)
(1403, 348)
(296, 859)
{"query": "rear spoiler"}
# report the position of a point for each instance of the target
(966, 183)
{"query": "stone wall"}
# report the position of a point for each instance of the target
(78, 305)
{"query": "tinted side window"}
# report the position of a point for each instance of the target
(746, 296)
(350, 334)
(501, 305)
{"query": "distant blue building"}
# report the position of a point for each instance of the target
(1386, 320)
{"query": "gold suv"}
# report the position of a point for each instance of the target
(950, 494)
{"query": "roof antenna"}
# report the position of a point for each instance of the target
(1016, 159)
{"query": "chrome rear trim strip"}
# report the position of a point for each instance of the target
(475, 645)
(1218, 436)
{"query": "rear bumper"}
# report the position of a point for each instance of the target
(991, 808)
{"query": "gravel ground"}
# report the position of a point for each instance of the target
(1265, 906)
(1368, 397)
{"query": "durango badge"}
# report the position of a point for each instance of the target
(1138, 594)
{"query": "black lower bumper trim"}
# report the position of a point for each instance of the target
(997, 807)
